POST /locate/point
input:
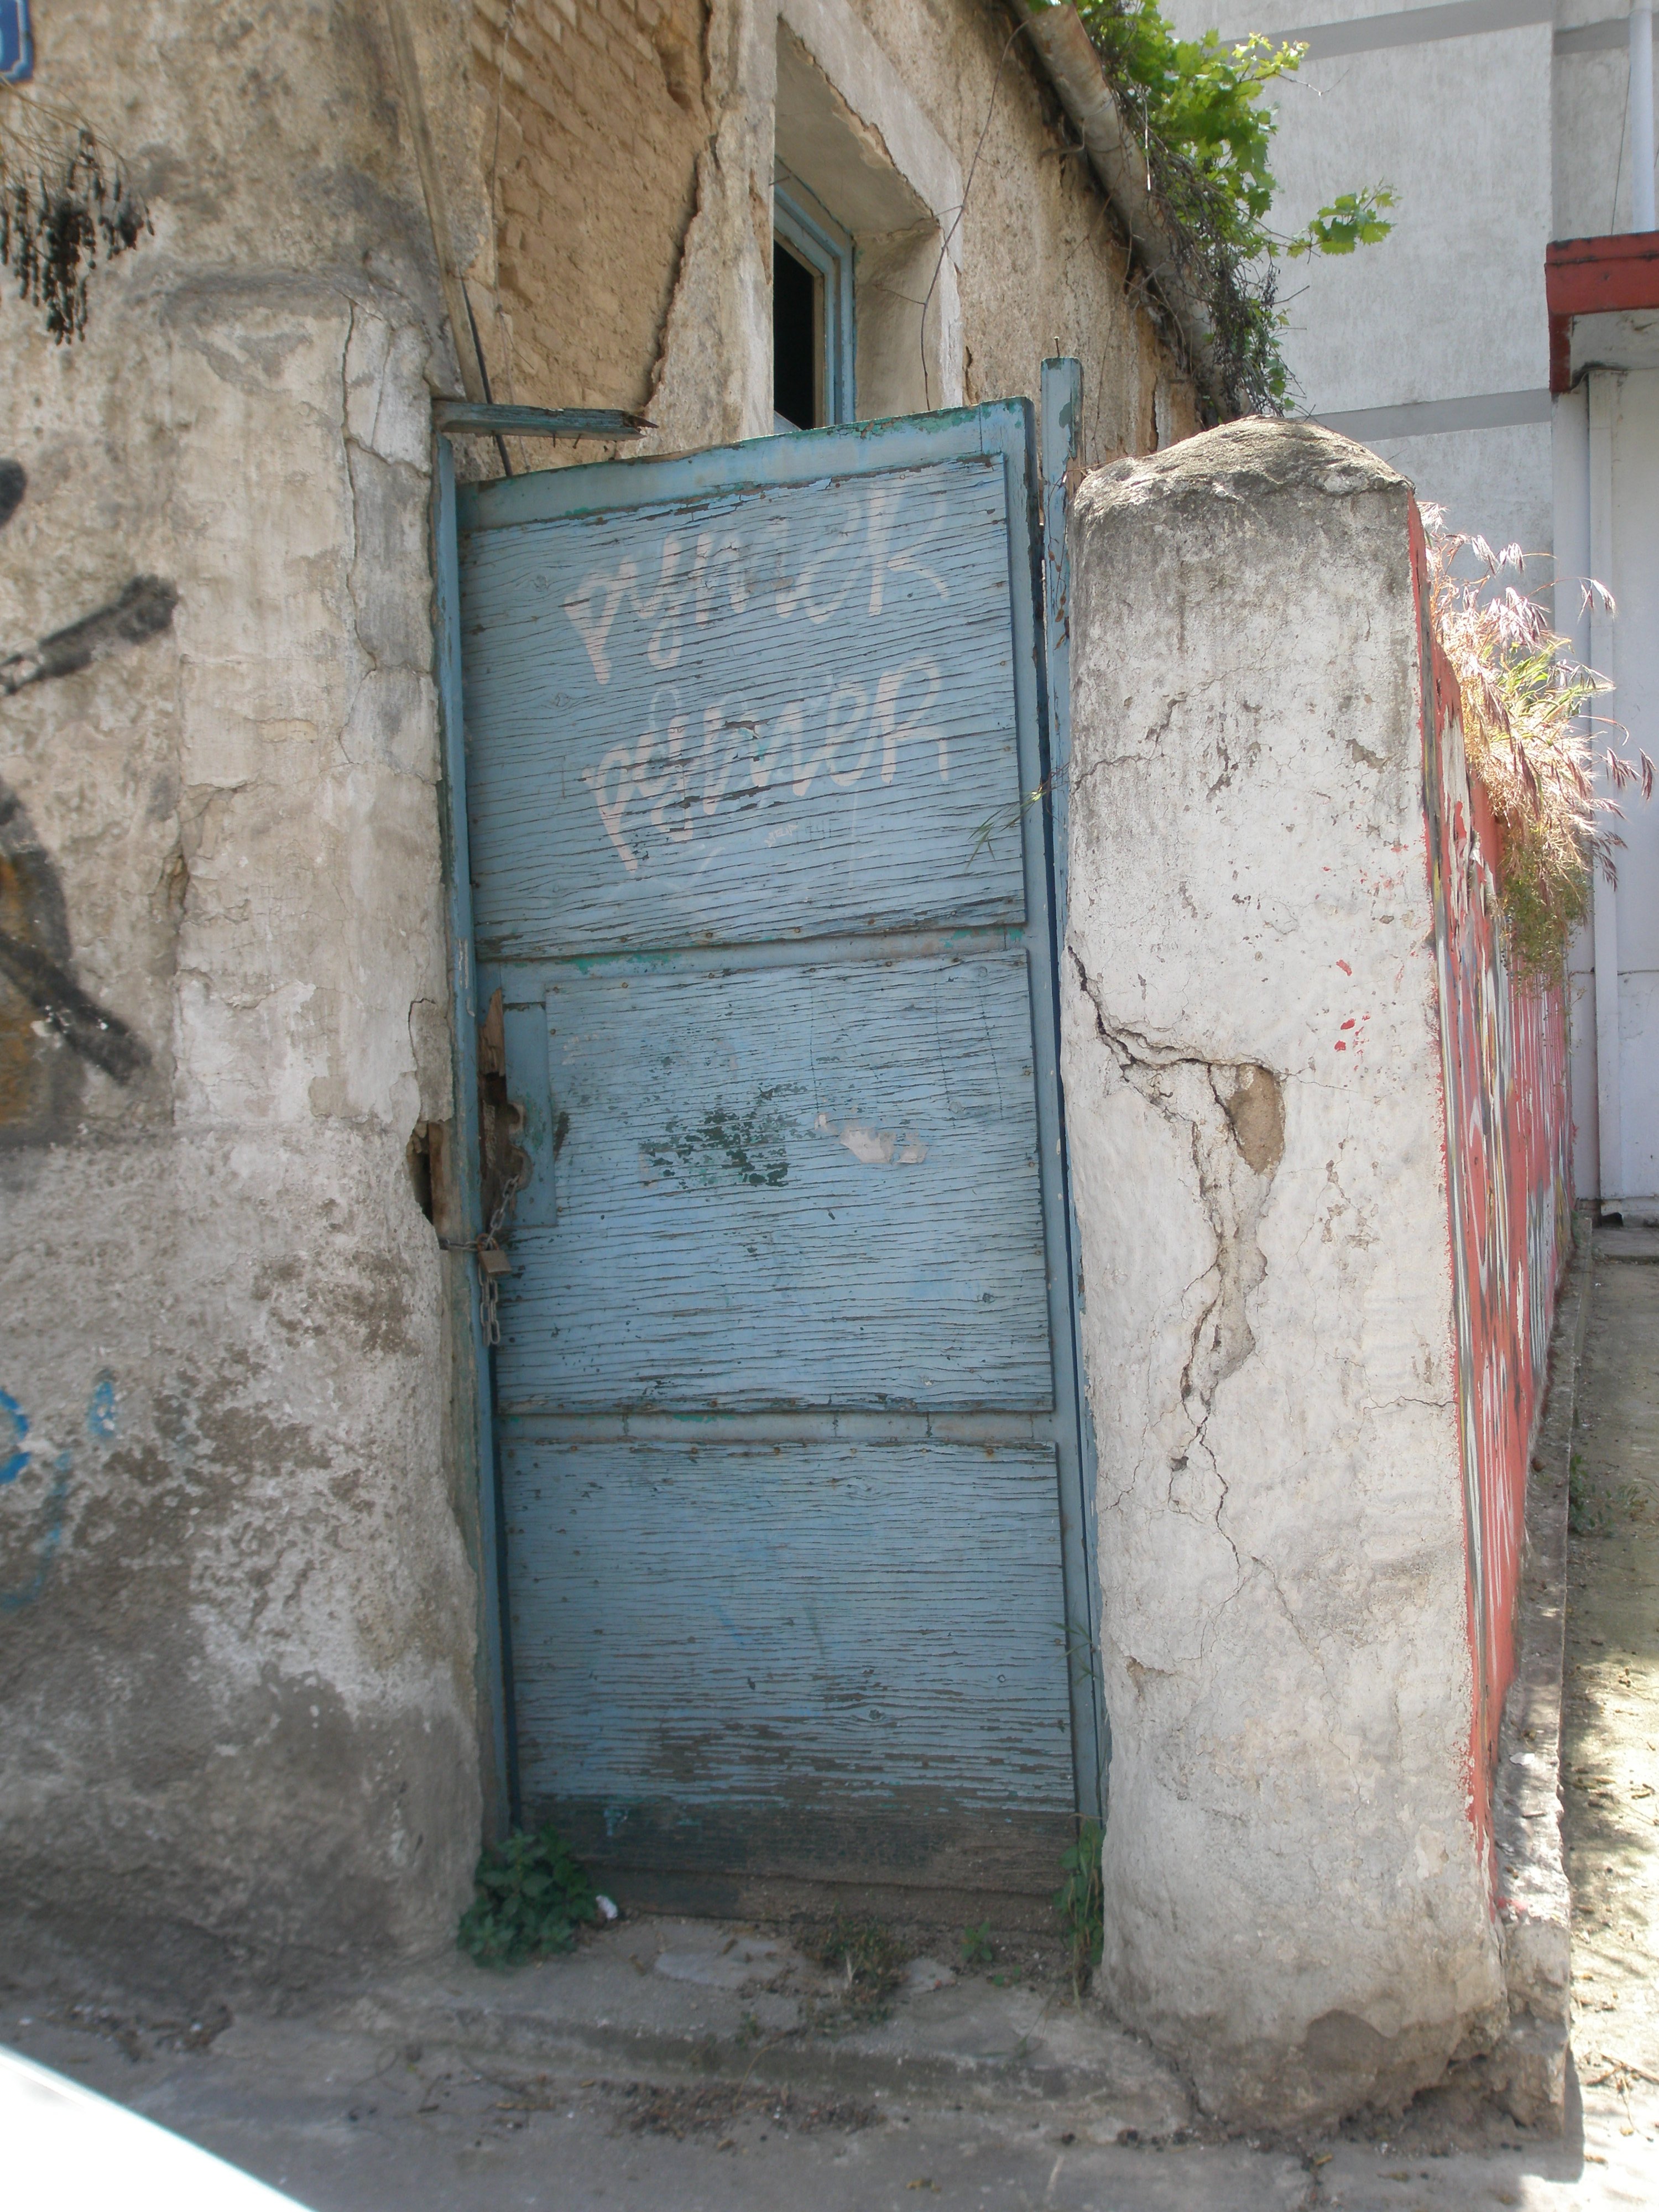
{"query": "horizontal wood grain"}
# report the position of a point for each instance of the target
(783, 1624)
(741, 719)
(758, 862)
(801, 1187)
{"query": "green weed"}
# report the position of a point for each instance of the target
(868, 1956)
(1203, 113)
(532, 1894)
(977, 1949)
(1080, 1903)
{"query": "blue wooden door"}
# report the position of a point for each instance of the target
(785, 1409)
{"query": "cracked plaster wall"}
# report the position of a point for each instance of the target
(237, 1705)
(631, 149)
(1295, 1903)
(238, 1709)
(1043, 268)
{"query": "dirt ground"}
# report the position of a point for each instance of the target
(363, 2109)
(1610, 1755)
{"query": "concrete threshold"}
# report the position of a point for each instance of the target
(1528, 2071)
(701, 2000)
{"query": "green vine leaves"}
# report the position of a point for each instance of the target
(1208, 135)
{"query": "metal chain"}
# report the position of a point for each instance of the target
(493, 1262)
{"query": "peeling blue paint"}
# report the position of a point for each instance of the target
(17, 1458)
(728, 1624)
(724, 849)
(102, 1417)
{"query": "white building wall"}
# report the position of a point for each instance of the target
(1590, 146)
(1623, 475)
(1451, 308)
(1432, 349)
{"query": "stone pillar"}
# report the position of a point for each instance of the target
(1296, 1893)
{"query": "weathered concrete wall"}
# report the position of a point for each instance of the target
(1040, 254)
(1296, 1896)
(236, 1694)
(239, 1702)
(630, 149)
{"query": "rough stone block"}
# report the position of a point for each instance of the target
(1296, 1900)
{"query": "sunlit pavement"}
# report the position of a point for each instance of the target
(355, 2111)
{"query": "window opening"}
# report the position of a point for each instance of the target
(797, 341)
(811, 313)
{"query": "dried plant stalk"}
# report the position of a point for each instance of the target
(1531, 739)
(65, 203)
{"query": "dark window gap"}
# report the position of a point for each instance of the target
(796, 339)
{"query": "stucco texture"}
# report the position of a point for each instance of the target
(1044, 266)
(1295, 1903)
(628, 150)
(236, 1614)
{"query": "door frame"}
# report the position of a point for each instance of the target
(1041, 661)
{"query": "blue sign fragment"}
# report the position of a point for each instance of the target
(16, 43)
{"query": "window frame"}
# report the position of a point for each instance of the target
(814, 236)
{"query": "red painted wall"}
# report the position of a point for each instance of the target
(1509, 1158)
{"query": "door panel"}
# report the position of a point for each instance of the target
(787, 1418)
(749, 715)
(820, 1182)
(834, 1625)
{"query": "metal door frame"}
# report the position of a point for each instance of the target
(1041, 660)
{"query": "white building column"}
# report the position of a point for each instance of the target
(1570, 440)
(1601, 392)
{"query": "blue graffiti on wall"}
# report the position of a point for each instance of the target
(100, 1409)
(16, 1445)
(17, 42)
(46, 1537)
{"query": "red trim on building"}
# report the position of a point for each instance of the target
(1596, 276)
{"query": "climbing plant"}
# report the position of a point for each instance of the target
(1198, 108)
(66, 203)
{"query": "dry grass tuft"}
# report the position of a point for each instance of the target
(1530, 738)
(869, 1958)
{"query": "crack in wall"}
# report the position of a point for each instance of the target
(711, 380)
(1232, 1115)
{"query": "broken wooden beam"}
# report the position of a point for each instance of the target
(495, 421)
